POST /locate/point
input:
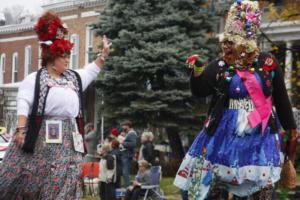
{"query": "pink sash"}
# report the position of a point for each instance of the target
(263, 105)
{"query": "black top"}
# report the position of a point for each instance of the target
(148, 152)
(110, 161)
(118, 155)
(207, 84)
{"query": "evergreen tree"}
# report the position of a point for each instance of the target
(146, 80)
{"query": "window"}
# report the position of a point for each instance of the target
(74, 57)
(15, 67)
(2, 68)
(27, 61)
(40, 57)
(89, 36)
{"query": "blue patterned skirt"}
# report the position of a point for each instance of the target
(52, 172)
(244, 163)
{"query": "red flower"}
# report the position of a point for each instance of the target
(61, 48)
(47, 27)
(192, 59)
(196, 60)
(269, 64)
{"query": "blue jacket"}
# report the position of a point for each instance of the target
(129, 144)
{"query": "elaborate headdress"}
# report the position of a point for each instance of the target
(51, 32)
(243, 22)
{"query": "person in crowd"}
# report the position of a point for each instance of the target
(114, 133)
(143, 177)
(90, 140)
(239, 146)
(147, 148)
(128, 149)
(107, 175)
(116, 151)
(33, 168)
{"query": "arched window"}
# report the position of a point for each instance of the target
(15, 67)
(27, 60)
(89, 36)
(2, 68)
(74, 57)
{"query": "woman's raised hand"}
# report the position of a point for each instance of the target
(106, 47)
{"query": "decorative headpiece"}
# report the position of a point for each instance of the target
(243, 22)
(51, 32)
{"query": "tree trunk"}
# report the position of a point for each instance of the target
(175, 143)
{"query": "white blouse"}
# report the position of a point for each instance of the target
(62, 102)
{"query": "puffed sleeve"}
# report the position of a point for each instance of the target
(88, 74)
(25, 95)
(281, 101)
(204, 85)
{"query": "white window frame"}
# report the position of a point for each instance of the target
(40, 58)
(14, 67)
(27, 60)
(89, 39)
(2, 67)
(74, 57)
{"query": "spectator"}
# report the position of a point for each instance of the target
(107, 173)
(147, 148)
(90, 141)
(143, 177)
(128, 148)
(116, 151)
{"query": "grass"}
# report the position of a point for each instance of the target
(170, 191)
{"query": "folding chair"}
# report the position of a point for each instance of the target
(153, 191)
(90, 173)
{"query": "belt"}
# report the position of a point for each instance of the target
(245, 104)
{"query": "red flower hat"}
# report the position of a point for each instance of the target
(48, 26)
(51, 32)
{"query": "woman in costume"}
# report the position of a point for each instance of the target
(239, 146)
(36, 166)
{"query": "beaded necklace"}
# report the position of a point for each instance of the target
(229, 71)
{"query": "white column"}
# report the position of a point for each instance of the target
(288, 67)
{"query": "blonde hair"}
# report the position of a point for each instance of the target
(145, 164)
(106, 147)
(149, 135)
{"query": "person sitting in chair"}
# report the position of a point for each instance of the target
(142, 178)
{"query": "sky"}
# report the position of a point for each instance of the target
(33, 6)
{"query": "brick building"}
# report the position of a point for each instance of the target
(20, 52)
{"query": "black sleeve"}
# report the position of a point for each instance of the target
(204, 84)
(110, 162)
(281, 101)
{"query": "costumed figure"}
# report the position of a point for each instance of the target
(39, 165)
(240, 144)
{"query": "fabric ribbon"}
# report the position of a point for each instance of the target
(263, 104)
